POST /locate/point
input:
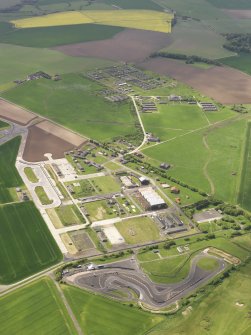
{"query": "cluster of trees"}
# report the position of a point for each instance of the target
(188, 59)
(238, 42)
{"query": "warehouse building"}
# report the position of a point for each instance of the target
(152, 199)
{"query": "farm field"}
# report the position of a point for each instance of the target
(223, 311)
(37, 309)
(75, 103)
(230, 86)
(245, 179)
(198, 160)
(24, 233)
(136, 4)
(9, 177)
(194, 38)
(231, 4)
(138, 230)
(87, 307)
(138, 19)
(17, 62)
(52, 36)
(240, 62)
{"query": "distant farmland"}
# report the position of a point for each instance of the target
(35, 309)
(138, 19)
(244, 197)
(26, 245)
(9, 177)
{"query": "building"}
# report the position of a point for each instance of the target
(126, 181)
(207, 216)
(175, 190)
(144, 181)
(152, 199)
(165, 166)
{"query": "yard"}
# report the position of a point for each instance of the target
(138, 230)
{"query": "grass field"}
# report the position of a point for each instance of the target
(69, 215)
(100, 316)
(26, 245)
(245, 181)
(9, 177)
(241, 62)
(3, 125)
(138, 19)
(31, 175)
(42, 195)
(135, 4)
(194, 38)
(198, 159)
(224, 311)
(99, 210)
(35, 309)
(74, 102)
(89, 187)
(53, 36)
(231, 4)
(17, 62)
(208, 264)
(138, 230)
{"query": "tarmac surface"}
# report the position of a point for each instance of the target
(126, 277)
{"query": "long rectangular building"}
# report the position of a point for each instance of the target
(152, 198)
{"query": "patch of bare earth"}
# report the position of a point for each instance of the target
(223, 84)
(15, 113)
(238, 13)
(61, 132)
(130, 45)
(40, 142)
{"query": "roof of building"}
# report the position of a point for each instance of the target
(151, 196)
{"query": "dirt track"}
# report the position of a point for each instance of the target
(130, 45)
(225, 85)
(15, 113)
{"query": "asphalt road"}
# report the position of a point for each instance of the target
(126, 277)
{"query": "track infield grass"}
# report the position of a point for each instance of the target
(26, 245)
(101, 316)
(35, 309)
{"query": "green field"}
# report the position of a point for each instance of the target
(100, 316)
(69, 215)
(17, 62)
(208, 264)
(35, 309)
(3, 125)
(138, 230)
(241, 62)
(31, 175)
(194, 38)
(225, 310)
(9, 177)
(75, 103)
(42, 195)
(231, 4)
(26, 245)
(199, 161)
(99, 210)
(89, 187)
(245, 183)
(135, 4)
(53, 36)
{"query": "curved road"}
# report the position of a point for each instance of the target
(126, 276)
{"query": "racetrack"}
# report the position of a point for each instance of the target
(125, 277)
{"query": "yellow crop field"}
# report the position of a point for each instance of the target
(138, 19)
